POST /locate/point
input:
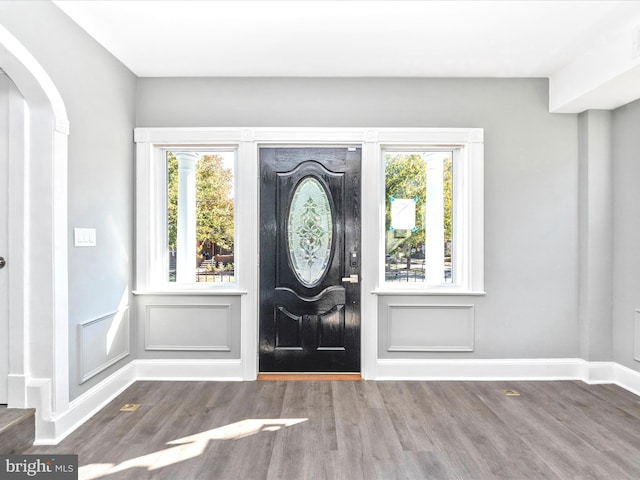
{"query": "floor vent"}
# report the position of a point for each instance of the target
(511, 393)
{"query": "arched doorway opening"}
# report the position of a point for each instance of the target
(37, 232)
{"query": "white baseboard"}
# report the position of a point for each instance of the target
(55, 429)
(51, 430)
(38, 393)
(598, 372)
(189, 370)
(626, 378)
(510, 369)
(481, 369)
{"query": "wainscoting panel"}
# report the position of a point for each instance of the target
(430, 328)
(636, 335)
(102, 342)
(189, 327)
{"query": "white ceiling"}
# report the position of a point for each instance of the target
(349, 38)
(343, 38)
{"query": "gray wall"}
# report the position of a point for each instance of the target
(626, 234)
(533, 174)
(596, 235)
(99, 94)
(531, 188)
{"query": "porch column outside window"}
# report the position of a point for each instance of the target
(186, 237)
(434, 221)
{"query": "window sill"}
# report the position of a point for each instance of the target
(190, 291)
(426, 293)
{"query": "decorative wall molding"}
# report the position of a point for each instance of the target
(443, 328)
(200, 327)
(371, 136)
(39, 397)
(94, 355)
(477, 136)
(636, 335)
(246, 135)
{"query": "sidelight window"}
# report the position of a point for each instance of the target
(421, 203)
(433, 217)
(200, 216)
(419, 210)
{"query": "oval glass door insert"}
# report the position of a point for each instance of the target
(310, 231)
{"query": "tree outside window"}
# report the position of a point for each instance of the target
(412, 253)
(214, 216)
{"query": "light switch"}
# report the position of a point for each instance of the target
(84, 237)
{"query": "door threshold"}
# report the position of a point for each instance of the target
(309, 376)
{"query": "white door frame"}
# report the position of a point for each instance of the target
(248, 141)
(38, 299)
(13, 133)
(7, 91)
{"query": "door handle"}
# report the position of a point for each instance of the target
(3, 262)
(350, 279)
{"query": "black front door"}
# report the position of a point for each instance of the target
(310, 259)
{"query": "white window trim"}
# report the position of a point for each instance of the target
(247, 141)
(151, 253)
(467, 146)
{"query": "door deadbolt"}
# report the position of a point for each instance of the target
(350, 279)
(3, 262)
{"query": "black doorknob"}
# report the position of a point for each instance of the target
(3, 262)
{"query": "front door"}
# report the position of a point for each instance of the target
(310, 259)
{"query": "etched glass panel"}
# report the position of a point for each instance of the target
(309, 230)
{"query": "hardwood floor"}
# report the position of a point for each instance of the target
(17, 429)
(361, 430)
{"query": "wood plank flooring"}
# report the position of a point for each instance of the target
(361, 430)
(17, 429)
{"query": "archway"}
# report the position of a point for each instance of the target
(38, 305)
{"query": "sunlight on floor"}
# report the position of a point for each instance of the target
(189, 447)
